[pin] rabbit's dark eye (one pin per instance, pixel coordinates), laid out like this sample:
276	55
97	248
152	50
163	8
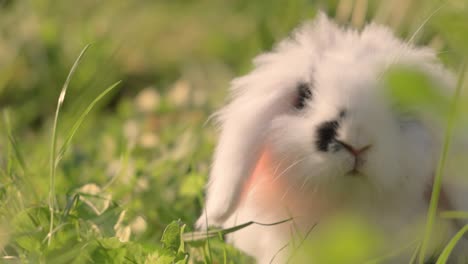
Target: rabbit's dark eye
303	94
326	134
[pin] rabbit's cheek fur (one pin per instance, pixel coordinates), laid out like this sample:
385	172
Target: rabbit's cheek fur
292	141
296	161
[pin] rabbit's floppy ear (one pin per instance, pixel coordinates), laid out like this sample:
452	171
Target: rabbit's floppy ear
244	125
258	98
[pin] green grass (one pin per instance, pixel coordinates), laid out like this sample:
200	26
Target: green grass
115	171
53	159
449	133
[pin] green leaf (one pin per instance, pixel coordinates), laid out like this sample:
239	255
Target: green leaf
110	243
355	240
160	257
453	26
110	250
413	90
30	228
192	186
181	248
171	236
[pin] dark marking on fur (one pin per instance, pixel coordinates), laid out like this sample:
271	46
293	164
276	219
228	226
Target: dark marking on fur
304	93
342	113
326	134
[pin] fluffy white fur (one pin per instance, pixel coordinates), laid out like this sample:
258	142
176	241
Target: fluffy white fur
344	68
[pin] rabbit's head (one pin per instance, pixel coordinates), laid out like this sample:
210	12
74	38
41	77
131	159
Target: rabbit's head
317	102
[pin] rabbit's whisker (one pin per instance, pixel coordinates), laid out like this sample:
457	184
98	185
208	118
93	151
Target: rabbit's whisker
288	168
306	180
279	164
256	183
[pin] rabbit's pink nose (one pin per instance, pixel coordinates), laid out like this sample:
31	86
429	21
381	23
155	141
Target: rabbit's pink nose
358	159
354	151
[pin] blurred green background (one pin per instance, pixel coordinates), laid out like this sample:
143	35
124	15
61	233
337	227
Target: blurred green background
141	157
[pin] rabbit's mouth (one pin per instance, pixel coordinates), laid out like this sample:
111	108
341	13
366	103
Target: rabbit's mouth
357	167
358	155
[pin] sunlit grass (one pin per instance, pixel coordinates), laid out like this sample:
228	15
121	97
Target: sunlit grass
53	157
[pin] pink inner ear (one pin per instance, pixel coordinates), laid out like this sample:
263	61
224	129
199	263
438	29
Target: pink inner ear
270	192
268	188
262	179
275	194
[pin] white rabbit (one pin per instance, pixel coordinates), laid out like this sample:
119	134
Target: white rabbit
310	133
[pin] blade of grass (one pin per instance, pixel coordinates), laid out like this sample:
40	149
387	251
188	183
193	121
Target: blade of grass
8	150
206	233
53	164
70	204
413	36
301	242
80	120
451	245
224	255
395	253
13	143
194	236
437	185
454	214
415	254
278	252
